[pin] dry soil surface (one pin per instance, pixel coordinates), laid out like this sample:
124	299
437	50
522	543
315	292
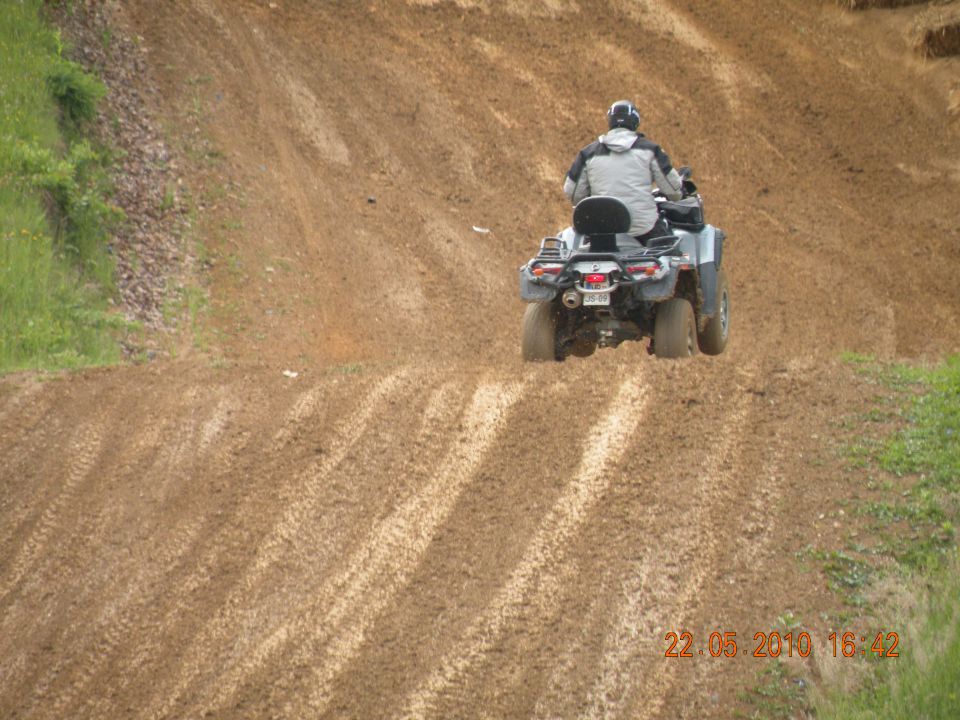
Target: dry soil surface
419	524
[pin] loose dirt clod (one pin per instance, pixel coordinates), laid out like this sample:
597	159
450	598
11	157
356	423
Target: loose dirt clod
940	41
870	4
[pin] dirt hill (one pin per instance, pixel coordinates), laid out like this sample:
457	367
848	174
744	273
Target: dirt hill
419	524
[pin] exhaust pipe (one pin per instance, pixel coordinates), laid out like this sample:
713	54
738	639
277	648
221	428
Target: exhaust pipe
572	299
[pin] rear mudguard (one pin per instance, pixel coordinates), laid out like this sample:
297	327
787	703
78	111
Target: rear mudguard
662	289
705	251
533	291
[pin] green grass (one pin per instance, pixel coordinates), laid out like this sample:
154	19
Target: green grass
924	682
55	273
916	530
931	445
777	695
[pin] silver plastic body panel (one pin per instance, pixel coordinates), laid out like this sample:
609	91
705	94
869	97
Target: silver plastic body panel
697	247
531	291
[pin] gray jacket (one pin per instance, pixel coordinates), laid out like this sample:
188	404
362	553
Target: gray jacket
625	165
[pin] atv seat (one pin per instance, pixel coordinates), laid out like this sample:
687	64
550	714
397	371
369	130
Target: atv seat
601	218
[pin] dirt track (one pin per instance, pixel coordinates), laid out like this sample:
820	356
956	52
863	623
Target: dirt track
420	524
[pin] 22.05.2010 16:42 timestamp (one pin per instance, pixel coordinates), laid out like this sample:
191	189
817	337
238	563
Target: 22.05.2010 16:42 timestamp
774	644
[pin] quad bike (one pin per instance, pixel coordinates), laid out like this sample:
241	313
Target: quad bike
596	286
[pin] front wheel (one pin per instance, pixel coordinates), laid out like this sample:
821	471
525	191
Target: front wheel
539	333
713	339
675	329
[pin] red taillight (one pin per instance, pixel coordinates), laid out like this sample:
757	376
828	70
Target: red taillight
553	270
642	269
596	278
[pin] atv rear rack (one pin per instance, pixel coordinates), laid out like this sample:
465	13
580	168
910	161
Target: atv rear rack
553	248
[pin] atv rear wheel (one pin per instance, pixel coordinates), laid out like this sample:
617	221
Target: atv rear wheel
539	334
675	329
714	337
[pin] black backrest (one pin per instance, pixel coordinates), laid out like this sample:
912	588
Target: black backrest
600	218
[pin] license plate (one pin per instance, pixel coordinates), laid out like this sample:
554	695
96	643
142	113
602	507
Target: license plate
597	299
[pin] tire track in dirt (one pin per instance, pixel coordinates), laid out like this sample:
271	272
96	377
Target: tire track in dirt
608	442
732	75
116	623
615	686
125	604
40	558
622	666
748	554
472	554
260	643
83	453
89	520
288	535
25	463
754	523
614	634
304	407
281	98
295	522
335	626
212	429
278	599
200	562
253	50
535	650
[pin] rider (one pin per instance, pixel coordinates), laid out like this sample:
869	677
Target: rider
624	164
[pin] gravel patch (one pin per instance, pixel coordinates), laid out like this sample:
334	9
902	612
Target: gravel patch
152	258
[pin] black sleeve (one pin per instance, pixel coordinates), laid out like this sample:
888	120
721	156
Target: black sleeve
594	148
663	160
579	163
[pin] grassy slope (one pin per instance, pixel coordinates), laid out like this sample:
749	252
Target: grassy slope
54	272
924	682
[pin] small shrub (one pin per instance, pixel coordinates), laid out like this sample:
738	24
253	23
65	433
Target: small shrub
77	92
